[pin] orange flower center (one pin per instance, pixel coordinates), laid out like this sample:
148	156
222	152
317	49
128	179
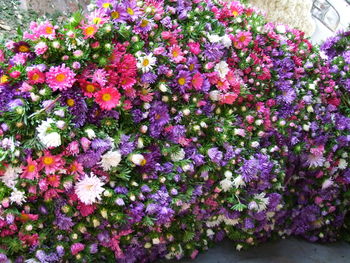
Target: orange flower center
31	168
90	88
144	23
106	97
60	77
35	76
23	48
130	11
143	162
48	160
145	62
70	102
115	14
73	168
49	30
242	38
181	81
89	31
175	53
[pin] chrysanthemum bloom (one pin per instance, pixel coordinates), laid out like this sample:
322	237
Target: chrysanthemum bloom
107	98
40	48
110	159
51	163
35	76
235	9
31	170
89	31
89	189
242	39
60	78
118	13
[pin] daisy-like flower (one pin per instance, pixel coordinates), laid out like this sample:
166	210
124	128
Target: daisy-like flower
17	197
60	78
133	10
31	170
110	159
183	80
21	47
51	163
118	13
10	176
89	189
35	76
48	137
146	62
104	3
235	9
242	39
107	98
89	31
47	30
176	54
146	95
89	88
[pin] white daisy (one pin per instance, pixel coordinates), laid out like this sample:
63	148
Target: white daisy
146	62
17	197
89	189
48	137
110	159
10	176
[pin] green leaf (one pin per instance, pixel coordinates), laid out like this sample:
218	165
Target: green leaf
239	207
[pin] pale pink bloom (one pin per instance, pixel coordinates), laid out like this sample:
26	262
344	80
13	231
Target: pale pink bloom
40	48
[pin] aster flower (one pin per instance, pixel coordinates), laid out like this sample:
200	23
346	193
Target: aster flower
89	88
183	81
89	189
48	137
242	39
76	105
50	163
146	62
89	31
213	51
176	54
17	196
133	10
118	13
35	76
9	178
144	25
60	78
21	47
215	155
107	98
110	159
31	170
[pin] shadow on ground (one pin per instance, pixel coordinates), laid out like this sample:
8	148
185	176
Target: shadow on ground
284	251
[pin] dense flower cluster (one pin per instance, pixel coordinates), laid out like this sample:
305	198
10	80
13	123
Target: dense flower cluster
152	129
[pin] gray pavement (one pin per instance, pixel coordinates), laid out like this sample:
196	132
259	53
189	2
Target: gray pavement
284	251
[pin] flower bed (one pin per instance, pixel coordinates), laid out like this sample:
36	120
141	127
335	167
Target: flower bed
154	129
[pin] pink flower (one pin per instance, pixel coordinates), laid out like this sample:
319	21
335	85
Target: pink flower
235	9
25	87
60	78
89	31
31	170
159	50
195	47
85	143
40	48
73	148
51	163
46	30
107	98
35	76
146	95
2	56
197	81
176	54
229	98
76	248
242	39
86	210
76	168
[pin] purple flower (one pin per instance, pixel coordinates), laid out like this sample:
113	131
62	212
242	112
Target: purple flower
63	222
213	51
215	155
149	78
182	81
76	104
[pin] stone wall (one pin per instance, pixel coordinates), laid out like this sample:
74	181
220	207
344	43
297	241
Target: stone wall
51	6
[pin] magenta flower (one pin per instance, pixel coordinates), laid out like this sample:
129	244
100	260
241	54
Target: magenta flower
60	78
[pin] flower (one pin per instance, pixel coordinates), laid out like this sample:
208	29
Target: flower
51	163
40	48
76	248
89	189
107	98
89	31
35	76
146	62
17	197
138	159
47	136
110	159
222	69
242	39
176	54
31	170
60	78
10	176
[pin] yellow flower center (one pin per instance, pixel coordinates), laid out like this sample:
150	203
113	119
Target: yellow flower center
4	79
48	160
143	162
35	76
145	62
144	92
235	13
70	102
115	15
60	77
90	88
181	81
97	20
130	11
191	67
106	97
106	5
242	38
175	53
144	23
23	49
49	30
31	168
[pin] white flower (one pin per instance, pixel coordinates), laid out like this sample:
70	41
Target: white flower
10	176
17	197
48	138
138	159
222	68
226	184
262	201
240	132
327	183
238	181
214	38
146	62
226	41
215	95
342	164
90	133
31	260
281	29
178	156
110	159
89	189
